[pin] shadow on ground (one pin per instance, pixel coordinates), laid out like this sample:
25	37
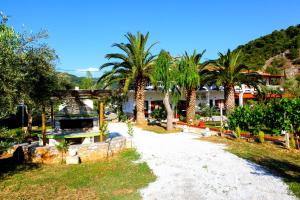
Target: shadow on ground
15	164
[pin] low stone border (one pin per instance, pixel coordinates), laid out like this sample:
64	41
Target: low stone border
86	152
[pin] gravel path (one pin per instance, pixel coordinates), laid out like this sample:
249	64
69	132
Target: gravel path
187	168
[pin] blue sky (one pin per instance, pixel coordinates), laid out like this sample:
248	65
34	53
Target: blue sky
82	31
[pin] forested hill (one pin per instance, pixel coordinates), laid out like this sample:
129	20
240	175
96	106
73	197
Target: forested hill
77	80
256	52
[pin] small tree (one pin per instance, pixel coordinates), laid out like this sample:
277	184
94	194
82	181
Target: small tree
163	74
129	128
62	147
238	132
261	137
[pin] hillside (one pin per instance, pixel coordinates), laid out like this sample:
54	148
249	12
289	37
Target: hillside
77	80
285	42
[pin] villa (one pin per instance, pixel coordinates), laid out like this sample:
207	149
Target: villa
211	96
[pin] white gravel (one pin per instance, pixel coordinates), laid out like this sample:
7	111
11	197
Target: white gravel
187	168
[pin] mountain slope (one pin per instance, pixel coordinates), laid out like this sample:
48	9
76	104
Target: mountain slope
256	52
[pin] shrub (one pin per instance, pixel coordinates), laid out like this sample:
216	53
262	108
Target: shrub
238	132
129	128
62	147
197	117
122	117
261	137
159	114
181	118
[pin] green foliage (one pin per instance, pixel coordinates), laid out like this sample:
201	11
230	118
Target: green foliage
238	132
122	117
62	147
274	70
279	114
189	70
104	128
278	62
27	70
293	54
159	114
261	137
182	118
8	137
296	61
88	82
257	52
197	117
208	111
135	62
129	127
163	73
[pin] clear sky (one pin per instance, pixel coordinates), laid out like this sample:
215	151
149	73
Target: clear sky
82	31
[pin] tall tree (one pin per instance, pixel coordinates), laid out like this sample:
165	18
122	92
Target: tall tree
164	74
189	78
10	76
133	65
40	79
227	72
88	82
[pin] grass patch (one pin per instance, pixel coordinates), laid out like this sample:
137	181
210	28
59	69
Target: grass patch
161	129
280	161
118	178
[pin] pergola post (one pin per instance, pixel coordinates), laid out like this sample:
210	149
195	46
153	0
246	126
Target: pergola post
101	120
43	126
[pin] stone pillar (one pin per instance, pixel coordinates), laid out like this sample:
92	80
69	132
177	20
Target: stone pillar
207	97
149	107
241	100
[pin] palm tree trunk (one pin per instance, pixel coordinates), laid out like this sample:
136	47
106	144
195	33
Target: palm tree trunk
229	98
170	116
191	104
139	99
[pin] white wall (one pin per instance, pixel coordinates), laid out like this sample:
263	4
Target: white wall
153	95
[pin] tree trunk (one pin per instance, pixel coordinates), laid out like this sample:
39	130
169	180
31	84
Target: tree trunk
170	116
139	100
229	98
191	104
29	125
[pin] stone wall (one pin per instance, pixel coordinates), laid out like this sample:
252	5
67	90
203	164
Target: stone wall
86	152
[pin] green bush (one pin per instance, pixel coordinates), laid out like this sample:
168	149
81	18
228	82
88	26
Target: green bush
276	115
261	137
10	136
181	118
122	117
159	114
197	117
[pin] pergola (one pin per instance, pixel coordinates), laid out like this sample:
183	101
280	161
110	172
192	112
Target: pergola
101	95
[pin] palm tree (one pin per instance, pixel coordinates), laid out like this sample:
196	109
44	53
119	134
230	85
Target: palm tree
190	70
164	74
133	65
228	72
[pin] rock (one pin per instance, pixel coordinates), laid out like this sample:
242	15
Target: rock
72	152
72	160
